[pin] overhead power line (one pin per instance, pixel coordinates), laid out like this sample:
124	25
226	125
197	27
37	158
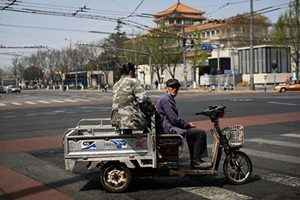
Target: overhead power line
21	5
23	47
136	8
227	4
9	4
81	15
54	29
10	54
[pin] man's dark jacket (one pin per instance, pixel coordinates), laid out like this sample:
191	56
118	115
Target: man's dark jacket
168	113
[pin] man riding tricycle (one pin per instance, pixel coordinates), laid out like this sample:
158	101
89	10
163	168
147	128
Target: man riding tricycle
121	153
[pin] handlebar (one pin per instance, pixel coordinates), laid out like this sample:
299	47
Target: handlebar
213	112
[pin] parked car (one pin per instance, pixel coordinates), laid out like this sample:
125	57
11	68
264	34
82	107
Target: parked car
291	86
12	89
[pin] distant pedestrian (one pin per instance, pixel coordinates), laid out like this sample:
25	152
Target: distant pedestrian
105	87
156	84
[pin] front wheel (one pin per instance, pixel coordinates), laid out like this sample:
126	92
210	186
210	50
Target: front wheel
282	90
115	177
237	167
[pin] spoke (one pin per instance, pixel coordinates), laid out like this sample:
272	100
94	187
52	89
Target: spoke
122	180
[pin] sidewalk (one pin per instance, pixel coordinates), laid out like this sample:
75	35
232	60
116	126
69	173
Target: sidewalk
237	90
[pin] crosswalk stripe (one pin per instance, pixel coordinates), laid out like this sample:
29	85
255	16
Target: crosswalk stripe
215	193
2	104
16	103
30	102
282	179
274	142
41	101
282	103
70	100
291	135
273	156
57	101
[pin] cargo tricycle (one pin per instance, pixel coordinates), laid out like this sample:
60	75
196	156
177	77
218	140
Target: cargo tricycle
120	154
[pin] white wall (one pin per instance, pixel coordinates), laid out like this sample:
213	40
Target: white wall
267	78
179	74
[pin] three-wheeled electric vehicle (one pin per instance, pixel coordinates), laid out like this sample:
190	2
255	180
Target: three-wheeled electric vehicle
120	155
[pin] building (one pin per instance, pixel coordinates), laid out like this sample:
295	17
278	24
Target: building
88	79
268	60
225	42
231	32
179	16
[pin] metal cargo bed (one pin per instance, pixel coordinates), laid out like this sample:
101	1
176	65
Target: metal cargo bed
95	140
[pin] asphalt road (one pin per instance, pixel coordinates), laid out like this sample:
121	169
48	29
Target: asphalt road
272	142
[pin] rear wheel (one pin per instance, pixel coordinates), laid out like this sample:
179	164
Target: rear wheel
237	167
115	177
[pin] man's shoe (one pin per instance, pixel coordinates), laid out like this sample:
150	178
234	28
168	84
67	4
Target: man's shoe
201	165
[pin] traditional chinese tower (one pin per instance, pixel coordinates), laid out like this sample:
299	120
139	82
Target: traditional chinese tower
179	16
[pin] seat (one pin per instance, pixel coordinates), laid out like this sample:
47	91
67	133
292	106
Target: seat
168	149
167	145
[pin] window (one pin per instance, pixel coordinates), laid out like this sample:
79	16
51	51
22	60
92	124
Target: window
178	21
213	33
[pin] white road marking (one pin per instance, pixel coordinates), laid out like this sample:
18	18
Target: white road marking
272	156
41	101
215	193
58	111
16	103
291	135
2	104
57	101
274	142
70	100
282	179
84	100
282	103
242	99
30	102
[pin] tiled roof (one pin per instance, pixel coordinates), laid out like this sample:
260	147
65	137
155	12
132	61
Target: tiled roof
180	8
184	16
208	25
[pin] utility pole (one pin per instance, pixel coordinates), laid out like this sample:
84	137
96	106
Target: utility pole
150	68
252	86
184	56
297	38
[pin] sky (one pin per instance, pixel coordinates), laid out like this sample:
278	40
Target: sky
26	29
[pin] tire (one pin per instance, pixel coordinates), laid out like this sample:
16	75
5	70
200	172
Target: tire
115	177
237	167
282	90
